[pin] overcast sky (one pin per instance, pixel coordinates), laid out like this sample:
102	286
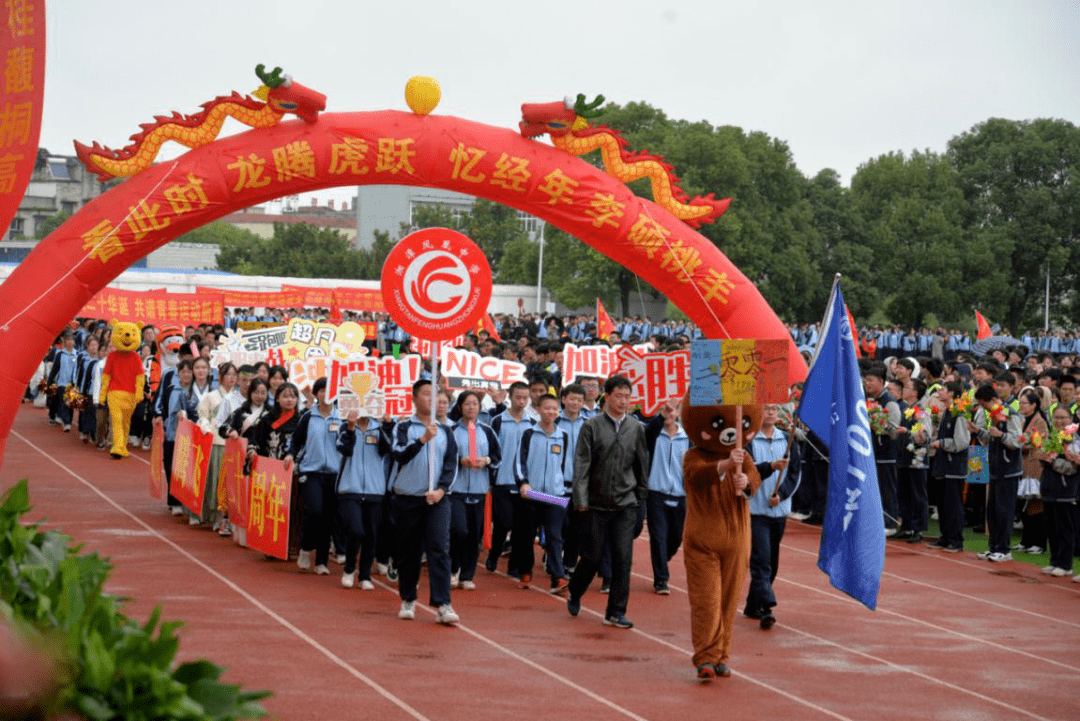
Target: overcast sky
841	81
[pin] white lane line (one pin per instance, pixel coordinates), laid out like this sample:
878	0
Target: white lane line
326	652
688	654
240	591
895	666
968	597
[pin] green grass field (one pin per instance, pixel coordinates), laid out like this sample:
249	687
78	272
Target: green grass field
975	542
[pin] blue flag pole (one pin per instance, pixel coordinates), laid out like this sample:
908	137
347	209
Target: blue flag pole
833	406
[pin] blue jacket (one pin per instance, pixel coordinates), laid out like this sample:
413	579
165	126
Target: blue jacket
365	461
63	368
314	443
476	481
509	433
573	430
182	401
542	461
411	457
764	451
666	462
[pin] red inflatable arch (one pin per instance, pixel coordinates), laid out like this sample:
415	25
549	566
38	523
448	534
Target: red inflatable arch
341	149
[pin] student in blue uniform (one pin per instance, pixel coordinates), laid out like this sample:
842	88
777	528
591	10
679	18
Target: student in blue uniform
478	463
364	445
665	505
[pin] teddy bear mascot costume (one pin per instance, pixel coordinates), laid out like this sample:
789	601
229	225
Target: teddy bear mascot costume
719	478
122	383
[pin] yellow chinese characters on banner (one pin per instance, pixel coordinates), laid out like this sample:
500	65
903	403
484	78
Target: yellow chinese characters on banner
191	458
738	372
22	38
155	308
268	507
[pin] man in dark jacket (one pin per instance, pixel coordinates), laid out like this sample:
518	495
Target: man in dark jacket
610	482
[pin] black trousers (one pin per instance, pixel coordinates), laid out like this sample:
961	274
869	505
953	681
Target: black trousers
597	524
466	533
1000	511
911	499
951	513
504	503
1061	528
318	498
766	533
422	528
666	517
359	520
886	477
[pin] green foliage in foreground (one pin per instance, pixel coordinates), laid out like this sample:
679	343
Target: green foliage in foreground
107	665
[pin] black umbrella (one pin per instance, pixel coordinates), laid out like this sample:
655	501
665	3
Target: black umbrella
994	342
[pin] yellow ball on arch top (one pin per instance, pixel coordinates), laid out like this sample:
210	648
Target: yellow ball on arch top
422	94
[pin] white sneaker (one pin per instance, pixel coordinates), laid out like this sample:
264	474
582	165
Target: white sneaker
1060	573
468	586
797	516
890	532
407	611
67	428
303	560
380	568
133	441
348	580
999	557
176	510
446	615
367	585
146	444
1048	570
1076	578
983	555
1034	550
1018	547
193	521
322	570
454	582
934	515
339	559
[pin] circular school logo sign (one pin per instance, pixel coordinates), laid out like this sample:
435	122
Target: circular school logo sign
436	284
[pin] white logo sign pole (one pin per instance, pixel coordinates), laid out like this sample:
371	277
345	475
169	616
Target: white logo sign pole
436	283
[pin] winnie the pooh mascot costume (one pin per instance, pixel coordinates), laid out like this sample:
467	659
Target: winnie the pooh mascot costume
719	477
122	383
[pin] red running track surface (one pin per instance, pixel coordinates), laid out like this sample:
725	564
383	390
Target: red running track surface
953	637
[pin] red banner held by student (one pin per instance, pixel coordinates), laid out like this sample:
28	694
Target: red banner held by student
268	507
191	458
232	472
157	462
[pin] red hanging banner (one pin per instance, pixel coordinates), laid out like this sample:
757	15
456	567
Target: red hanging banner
191	458
232	470
157	462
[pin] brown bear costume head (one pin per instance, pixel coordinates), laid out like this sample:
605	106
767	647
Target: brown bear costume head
712	428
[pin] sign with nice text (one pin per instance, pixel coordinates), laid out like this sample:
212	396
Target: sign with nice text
465	369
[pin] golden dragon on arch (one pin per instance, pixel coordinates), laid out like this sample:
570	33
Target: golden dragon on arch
277	95
568	125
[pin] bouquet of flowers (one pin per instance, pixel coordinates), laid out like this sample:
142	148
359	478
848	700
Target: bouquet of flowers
1057	440
1032	440
998	414
49	388
72	398
879	418
935	414
918	414
963	406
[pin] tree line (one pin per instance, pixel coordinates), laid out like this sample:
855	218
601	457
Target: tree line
921	238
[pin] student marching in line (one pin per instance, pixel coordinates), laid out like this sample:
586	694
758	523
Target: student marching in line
314	449
665	506
542	466
478	463
422	516
364	445
509	427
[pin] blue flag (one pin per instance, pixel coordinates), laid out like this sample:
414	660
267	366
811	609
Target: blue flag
833	406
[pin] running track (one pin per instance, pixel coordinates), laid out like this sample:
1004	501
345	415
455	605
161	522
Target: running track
953	638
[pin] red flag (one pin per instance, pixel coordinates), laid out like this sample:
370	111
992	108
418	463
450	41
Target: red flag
488	324
604	326
984	327
335	311
854	333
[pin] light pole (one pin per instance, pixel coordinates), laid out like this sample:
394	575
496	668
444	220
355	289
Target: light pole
540	270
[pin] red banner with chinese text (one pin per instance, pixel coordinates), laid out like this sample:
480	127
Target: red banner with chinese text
156	308
157	462
22	36
191	458
360	299
256	299
268	507
313	297
232	472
